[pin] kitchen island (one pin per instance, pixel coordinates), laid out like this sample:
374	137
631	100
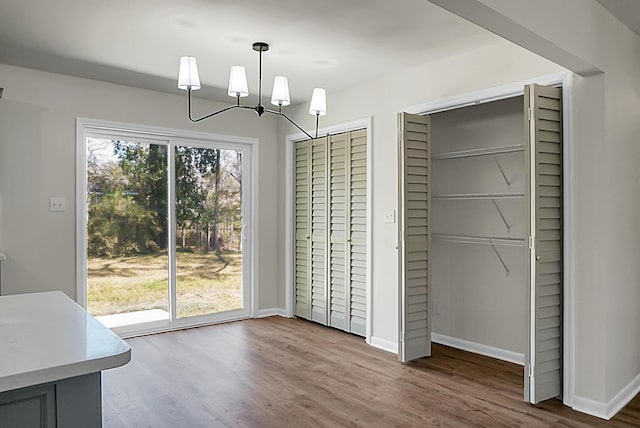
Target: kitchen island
52	353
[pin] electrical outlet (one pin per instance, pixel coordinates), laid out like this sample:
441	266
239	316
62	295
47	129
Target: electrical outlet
57	204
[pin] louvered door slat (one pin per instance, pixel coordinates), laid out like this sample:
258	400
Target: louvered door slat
415	165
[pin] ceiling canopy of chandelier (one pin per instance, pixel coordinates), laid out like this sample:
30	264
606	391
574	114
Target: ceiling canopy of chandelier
189	80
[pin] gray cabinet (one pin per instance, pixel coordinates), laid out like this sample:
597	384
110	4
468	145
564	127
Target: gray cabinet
28	407
67	403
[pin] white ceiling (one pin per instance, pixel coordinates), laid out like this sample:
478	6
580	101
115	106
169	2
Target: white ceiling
627	11
330	43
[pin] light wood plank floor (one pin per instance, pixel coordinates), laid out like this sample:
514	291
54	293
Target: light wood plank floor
279	372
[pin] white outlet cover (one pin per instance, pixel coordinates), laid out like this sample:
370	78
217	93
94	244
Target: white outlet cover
390	216
57	204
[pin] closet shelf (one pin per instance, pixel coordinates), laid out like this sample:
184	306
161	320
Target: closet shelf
465	239
480	152
465	196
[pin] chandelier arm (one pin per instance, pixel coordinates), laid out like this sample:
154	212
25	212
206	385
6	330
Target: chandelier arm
211	114
279	113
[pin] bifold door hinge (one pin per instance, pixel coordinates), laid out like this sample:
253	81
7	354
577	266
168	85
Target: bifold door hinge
530	113
531	242
530	371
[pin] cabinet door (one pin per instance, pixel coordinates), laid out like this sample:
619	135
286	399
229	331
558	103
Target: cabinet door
543	127
415	168
33	407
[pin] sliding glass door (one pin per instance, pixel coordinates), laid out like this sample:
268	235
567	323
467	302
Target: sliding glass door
166	231
209	230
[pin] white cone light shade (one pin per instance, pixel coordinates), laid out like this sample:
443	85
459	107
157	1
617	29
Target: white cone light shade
188	77
318	106
280	94
238	82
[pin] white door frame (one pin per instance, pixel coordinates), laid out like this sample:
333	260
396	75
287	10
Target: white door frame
565	80
172	137
290	141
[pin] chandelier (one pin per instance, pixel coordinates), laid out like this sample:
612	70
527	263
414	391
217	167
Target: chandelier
189	80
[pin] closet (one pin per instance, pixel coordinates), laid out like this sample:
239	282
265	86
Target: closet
481	232
331	230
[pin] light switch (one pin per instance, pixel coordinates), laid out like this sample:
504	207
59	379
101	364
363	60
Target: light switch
57	204
390	216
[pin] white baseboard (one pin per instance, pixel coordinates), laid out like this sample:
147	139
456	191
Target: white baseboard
263	313
385	345
608	410
623	397
478	348
590	407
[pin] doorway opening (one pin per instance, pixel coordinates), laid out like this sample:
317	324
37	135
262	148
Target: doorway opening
496	282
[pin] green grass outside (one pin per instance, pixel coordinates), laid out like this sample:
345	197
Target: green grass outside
206	283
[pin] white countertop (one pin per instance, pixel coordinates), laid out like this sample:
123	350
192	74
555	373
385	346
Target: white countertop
46	337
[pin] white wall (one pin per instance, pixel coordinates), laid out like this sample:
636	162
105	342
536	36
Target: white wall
382	99
473	297
37	161
585	38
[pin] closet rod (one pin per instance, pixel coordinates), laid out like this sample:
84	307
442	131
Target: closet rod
492	242
464	196
480	152
484	240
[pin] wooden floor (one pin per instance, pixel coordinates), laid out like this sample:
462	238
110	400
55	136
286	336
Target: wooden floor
279	372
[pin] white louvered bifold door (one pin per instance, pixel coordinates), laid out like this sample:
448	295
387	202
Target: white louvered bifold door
348	231
414	167
338	220
319	190
331	230
303	229
543	118
357	229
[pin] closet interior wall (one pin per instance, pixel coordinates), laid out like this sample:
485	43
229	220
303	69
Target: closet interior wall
478	248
